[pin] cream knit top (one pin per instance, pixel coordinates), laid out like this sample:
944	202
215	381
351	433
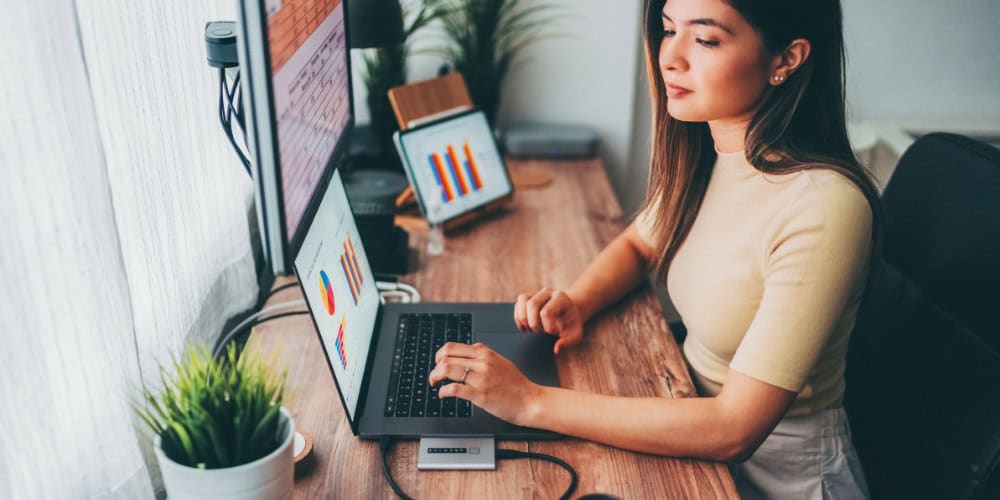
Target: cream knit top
769	279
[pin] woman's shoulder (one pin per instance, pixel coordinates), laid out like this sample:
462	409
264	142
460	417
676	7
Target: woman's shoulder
820	201
824	189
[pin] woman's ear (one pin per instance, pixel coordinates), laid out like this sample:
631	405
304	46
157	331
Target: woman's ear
791	59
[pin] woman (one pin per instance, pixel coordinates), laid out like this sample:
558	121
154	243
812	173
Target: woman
761	223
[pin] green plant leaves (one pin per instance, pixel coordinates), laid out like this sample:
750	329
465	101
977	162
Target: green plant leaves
212	413
486	37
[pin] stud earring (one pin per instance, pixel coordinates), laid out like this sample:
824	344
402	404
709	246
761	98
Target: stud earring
778	78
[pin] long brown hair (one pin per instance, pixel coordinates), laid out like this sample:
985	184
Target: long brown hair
799	125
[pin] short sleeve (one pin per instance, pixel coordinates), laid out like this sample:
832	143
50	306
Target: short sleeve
814	264
644	223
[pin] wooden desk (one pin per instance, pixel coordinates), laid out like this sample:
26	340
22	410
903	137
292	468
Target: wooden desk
546	238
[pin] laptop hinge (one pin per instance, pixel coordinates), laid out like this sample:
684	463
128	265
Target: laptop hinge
367	377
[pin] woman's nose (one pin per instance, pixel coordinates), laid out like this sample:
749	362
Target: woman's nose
672	56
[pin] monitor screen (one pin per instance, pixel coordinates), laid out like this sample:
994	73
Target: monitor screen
311	94
333	268
295	61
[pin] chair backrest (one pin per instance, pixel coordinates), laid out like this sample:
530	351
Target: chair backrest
923	367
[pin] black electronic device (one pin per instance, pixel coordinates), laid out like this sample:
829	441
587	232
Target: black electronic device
220	43
372	195
550	141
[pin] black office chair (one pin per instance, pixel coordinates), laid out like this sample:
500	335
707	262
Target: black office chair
923	368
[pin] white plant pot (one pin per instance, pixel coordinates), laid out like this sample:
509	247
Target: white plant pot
268	478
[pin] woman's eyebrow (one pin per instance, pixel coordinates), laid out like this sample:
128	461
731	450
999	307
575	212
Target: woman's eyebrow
704	21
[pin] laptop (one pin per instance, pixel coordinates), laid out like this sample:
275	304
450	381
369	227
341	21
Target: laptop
380	355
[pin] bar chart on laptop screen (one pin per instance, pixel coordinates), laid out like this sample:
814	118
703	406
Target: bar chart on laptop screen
353	275
456	165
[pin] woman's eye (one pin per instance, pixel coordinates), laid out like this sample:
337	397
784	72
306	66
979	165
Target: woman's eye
708	43
668	32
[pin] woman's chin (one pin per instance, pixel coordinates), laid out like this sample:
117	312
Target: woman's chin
682	112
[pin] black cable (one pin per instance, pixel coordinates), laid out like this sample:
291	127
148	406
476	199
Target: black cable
512	454
236	86
225	114
236	105
225	120
385	444
269	318
236	333
280	288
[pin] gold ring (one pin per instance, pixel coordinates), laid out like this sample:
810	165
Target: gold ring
466	374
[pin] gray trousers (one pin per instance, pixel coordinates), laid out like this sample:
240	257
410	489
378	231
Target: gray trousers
809	457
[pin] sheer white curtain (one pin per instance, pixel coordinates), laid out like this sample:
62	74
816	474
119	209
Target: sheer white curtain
126	230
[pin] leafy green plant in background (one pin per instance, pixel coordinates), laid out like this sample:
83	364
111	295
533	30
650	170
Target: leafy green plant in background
487	36
214	414
385	68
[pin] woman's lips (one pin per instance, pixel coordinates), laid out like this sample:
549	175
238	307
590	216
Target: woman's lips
675	91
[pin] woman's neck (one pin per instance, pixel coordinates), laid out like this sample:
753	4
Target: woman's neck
729	134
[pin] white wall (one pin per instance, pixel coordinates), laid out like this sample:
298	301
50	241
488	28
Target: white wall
924	62
585	76
638	176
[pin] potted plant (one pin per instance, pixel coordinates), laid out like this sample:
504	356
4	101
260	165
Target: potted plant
487	36
219	428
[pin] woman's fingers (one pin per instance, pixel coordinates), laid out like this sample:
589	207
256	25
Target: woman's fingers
520	312
488	380
457	350
463	391
533	309
552	313
453	369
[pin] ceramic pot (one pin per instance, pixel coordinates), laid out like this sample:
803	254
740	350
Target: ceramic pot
268	478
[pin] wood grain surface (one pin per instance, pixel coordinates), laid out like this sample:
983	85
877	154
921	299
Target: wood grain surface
546	237
429	97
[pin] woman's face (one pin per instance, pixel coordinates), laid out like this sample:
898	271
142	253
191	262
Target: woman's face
713	63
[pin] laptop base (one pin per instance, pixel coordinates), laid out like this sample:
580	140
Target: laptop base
493	325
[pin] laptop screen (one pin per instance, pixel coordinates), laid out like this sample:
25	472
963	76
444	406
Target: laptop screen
333	269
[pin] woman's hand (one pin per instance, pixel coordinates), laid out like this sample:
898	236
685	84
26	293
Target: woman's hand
492	382
550	311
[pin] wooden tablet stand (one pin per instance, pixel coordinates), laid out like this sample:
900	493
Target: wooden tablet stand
429	100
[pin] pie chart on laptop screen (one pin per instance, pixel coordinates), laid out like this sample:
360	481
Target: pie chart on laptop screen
326	289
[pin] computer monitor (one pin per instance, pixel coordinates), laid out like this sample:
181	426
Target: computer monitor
296	73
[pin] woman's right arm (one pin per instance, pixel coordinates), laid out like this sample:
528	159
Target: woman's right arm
617	270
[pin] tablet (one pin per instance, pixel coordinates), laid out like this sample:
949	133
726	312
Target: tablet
454	166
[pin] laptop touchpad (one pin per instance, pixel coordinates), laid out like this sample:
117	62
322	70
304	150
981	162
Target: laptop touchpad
531	352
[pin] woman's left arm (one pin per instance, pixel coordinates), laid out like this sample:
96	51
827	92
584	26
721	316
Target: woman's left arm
727	427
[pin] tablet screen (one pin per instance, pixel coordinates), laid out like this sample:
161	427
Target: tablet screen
454	165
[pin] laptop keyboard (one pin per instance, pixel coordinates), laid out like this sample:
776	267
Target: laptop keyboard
418	339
